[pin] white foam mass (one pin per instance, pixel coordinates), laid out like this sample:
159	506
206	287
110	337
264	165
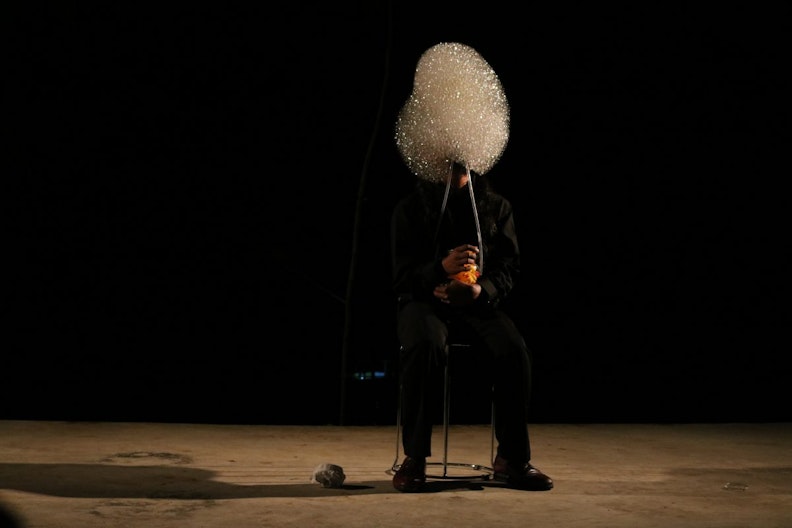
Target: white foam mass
457	112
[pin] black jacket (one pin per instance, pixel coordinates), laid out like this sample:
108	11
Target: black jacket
420	239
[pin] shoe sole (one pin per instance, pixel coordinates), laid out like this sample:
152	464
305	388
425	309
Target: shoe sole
525	486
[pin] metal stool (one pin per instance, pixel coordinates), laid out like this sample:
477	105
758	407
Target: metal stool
479	472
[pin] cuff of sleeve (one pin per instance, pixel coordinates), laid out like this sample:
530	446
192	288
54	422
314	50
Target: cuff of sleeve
488	292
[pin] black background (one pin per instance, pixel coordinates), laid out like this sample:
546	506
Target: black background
200	199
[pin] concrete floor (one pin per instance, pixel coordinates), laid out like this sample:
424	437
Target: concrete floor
153	475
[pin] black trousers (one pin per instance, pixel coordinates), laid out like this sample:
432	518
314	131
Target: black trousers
422	330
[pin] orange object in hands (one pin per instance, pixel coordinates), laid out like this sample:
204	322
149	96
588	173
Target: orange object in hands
469	276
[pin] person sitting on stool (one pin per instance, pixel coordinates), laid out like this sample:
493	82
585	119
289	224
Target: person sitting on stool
428	300
455	258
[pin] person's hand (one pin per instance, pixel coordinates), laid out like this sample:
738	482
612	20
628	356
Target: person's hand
457	293
460	259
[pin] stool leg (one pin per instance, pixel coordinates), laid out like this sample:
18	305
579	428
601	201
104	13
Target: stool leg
396	463
492	429
446	411
486	471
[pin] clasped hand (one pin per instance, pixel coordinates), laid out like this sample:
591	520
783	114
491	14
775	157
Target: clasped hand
455	292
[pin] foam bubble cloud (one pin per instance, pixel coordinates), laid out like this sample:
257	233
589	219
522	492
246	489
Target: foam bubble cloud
457	112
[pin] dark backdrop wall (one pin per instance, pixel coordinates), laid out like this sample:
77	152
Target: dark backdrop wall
201	199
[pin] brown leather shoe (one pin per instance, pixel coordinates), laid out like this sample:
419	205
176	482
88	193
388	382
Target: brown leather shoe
521	476
411	475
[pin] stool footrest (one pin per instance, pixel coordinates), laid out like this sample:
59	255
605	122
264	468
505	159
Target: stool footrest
478	471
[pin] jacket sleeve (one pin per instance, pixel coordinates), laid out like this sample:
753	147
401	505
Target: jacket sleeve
417	269
501	258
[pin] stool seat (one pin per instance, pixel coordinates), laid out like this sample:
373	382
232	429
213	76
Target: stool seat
475	471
